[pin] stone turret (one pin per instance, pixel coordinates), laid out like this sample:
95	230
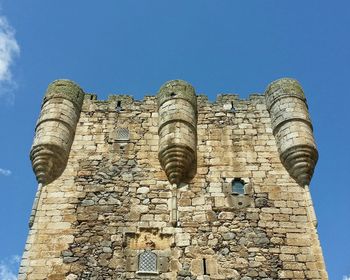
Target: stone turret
55	130
292	128
177	107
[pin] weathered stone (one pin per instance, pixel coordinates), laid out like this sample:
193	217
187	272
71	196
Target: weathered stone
67	253
70	259
229	235
182	239
143	190
71	277
261	202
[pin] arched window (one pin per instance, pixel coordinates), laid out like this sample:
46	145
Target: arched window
147	262
238	186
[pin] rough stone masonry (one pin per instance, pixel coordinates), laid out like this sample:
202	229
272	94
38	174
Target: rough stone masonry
173	186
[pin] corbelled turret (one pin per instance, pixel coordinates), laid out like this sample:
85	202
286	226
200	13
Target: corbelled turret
292	128
177	107
55	130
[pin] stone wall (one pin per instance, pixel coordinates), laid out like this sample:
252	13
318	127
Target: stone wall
114	201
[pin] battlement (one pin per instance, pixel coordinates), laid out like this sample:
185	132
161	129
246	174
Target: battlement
285	100
201	98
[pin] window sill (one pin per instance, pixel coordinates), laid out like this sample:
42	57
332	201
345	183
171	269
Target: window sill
147	272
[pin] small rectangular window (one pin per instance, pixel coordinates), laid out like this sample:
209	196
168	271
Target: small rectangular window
122	134
238	186
147	262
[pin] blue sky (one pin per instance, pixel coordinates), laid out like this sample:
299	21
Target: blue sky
134	46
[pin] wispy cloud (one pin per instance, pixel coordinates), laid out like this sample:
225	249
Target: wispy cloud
5	172
9	49
8	268
346	277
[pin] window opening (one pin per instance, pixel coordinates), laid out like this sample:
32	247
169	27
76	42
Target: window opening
205	267
123	134
148	262
238	186
233	109
118	108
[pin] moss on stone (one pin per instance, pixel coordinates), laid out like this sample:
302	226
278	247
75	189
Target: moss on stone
65	89
177	89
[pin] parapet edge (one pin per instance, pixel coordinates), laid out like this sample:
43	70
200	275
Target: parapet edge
220	97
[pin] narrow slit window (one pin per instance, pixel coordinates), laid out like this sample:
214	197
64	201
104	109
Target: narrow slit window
147	262
118	108
205	267
233	109
238	186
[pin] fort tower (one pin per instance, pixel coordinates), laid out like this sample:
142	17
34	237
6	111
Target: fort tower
173	186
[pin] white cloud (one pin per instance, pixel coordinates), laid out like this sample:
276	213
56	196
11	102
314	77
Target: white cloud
8	268
6	273
15	259
5	172
346	277
9	49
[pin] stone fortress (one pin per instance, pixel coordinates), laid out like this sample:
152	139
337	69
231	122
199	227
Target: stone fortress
173	186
